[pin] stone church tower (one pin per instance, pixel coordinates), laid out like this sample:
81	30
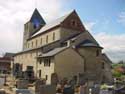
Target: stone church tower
32	26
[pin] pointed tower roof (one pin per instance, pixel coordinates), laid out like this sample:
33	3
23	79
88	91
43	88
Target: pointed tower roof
37	18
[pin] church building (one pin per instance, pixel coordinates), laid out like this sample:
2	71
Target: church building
63	47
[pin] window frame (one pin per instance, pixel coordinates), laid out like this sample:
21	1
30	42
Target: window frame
53	36
47	62
47	39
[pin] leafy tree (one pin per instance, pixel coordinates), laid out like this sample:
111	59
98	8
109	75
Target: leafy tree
117	74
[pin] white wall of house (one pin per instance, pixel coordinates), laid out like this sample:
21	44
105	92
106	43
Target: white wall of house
46	70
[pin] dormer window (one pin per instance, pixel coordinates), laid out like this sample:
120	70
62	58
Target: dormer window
63	44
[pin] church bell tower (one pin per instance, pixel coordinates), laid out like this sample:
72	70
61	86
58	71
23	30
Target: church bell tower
32	26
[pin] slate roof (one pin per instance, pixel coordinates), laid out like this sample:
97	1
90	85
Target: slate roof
36	16
9	55
87	42
53	52
85	39
52	24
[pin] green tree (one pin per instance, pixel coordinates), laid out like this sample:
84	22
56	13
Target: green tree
117	74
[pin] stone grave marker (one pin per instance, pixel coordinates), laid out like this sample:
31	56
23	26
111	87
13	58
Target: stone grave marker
54	79
22	84
81	79
47	89
38	83
2	91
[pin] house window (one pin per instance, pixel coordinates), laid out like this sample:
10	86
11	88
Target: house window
63	44
53	36
47	62
103	65
73	22
72	41
32	44
47	39
39	73
97	53
46	77
36	43
40	61
41	41
29	68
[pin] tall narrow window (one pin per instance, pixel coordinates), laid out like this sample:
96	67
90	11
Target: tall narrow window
40	61
39	73
36	43
97	53
54	36
46	77
47	39
28	45
41	41
103	65
47	62
64	44
32	44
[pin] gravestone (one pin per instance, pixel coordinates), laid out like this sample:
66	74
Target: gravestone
54	79
73	81
47	89
22	91
81	79
2	81
82	89
96	89
22	84
68	90
2	91
38	83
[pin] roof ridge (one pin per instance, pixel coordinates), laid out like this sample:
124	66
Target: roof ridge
64	16
52	24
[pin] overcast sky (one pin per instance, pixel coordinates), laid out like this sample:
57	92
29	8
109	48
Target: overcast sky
105	19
